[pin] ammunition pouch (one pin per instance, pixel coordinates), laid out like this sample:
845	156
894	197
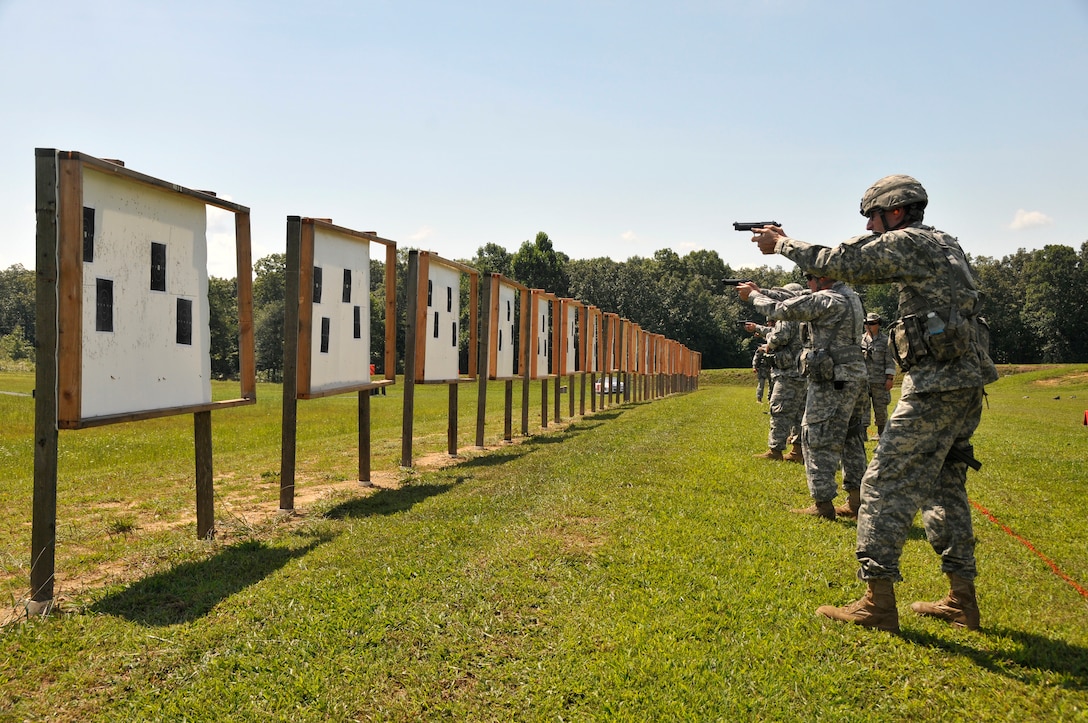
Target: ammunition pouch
911	341
817	365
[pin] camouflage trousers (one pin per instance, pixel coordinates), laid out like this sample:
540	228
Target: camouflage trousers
880	399
763	379
911	471
787	407
832	435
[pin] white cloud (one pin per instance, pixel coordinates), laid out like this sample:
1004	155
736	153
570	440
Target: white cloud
424	233
1029	219
628	236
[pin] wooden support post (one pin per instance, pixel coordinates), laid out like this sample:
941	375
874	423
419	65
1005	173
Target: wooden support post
483	360
451	427
205	494
557	412
364	437
570	393
44	518
289	426
508	416
410	342
544	403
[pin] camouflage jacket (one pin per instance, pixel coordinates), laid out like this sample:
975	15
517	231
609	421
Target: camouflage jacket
834	319
932	274
880	363
784	342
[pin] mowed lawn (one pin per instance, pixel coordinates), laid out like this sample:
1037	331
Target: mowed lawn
636	564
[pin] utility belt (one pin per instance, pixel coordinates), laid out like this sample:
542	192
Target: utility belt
819	364
912	339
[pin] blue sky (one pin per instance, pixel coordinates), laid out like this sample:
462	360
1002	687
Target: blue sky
619	128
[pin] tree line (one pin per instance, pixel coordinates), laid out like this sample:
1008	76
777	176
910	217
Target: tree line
1036	302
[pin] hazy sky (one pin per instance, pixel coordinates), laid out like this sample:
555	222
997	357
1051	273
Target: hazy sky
619	128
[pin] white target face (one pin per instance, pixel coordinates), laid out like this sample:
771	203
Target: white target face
145	327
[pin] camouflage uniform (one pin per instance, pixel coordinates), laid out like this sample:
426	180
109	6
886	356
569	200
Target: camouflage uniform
831	431
761	365
788	394
920	462
880	365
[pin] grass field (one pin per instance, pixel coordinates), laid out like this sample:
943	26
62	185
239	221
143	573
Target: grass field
636	564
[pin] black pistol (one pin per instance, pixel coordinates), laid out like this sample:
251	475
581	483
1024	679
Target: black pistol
735	282
748	226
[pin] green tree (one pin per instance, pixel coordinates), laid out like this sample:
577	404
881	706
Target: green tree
493	259
223	326
1053	283
1001	302
539	266
17	301
269	298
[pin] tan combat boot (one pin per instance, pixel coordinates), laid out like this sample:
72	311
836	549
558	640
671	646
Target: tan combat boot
959	607
853	504
823	510
795	455
775	454
876	609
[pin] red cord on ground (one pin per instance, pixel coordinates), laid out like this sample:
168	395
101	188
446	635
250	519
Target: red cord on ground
1027	544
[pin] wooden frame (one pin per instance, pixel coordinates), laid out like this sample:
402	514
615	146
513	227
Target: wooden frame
498	283
71	169
426	259
308	228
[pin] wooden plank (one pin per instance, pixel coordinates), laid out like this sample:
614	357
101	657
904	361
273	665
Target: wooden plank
247	359
391	312
304	297
69	243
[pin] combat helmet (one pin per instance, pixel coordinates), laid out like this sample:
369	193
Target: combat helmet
893	192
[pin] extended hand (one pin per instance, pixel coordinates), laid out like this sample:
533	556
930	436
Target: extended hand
767	238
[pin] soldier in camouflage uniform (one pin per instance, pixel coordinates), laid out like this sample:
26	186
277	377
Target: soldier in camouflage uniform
761	365
787	402
881	367
831	431
943	348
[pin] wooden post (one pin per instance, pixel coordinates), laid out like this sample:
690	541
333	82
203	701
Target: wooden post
205	495
483	365
526	356
364	437
44	519
508	415
289	427
410	342
544	403
451	426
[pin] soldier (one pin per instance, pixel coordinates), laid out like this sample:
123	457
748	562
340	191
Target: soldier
881	368
831	431
943	349
761	368
787	400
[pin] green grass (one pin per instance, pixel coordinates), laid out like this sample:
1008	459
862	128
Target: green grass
636	565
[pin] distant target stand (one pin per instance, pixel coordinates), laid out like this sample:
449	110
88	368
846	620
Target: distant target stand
123	320
327	334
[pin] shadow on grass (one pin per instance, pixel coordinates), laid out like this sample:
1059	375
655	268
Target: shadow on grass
189	591
388	501
1031	659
